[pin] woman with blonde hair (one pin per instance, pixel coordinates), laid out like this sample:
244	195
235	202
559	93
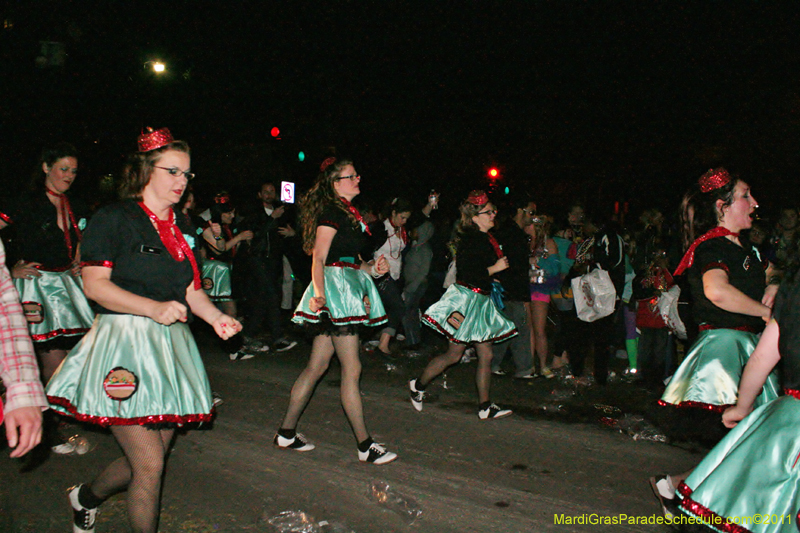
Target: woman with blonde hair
466	313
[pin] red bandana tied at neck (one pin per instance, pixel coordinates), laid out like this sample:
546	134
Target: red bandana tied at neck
172	238
67	218
401	232
688	257
350	207
495	245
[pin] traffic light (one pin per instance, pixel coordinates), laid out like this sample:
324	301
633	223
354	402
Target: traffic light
275	132
301	156
493	173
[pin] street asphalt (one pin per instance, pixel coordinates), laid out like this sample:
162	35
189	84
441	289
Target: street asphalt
568	455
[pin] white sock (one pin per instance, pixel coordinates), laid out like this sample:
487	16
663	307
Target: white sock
666	488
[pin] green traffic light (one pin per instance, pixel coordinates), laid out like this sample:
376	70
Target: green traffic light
507	190
301	156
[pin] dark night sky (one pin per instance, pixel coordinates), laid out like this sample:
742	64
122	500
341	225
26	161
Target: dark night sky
619	100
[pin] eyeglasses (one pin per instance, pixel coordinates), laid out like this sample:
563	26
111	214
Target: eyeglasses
354	177
489	212
175	171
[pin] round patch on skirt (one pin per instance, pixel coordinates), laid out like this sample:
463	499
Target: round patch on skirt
208	284
120	384
34	312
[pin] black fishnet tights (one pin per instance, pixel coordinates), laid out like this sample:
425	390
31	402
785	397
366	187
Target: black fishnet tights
140	471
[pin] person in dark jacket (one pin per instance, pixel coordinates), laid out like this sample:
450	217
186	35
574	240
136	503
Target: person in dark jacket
516	284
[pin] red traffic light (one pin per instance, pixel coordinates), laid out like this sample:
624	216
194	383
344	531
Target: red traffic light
275	132
493	172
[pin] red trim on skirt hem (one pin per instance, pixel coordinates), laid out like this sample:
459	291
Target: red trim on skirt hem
59	333
435	325
706	515
137	421
361	319
697	405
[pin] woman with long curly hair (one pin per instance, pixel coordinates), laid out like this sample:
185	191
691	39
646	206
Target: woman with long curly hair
340	298
466	313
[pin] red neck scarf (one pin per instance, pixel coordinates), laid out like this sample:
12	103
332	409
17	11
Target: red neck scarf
350	207
401	232
172	238
495	245
66	218
688	257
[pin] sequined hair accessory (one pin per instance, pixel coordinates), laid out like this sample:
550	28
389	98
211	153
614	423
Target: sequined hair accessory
478	198
325	164
714	179
222	198
151	139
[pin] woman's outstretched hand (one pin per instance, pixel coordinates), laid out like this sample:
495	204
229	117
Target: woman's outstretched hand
226	326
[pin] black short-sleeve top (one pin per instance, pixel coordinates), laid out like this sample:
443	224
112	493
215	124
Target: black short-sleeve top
349	238
39	239
745	271
121	237
474	255
787	313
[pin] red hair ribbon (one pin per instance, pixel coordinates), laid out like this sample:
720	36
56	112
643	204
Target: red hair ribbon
67	218
478	198
172	238
150	140
350	207
325	164
688	257
714	179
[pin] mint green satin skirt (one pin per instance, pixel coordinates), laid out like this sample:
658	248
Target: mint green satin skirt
753	471
708	377
131	370
351	297
464	316
54	305
216	277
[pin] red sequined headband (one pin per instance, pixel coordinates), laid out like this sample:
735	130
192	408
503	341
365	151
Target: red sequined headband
150	140
325	164
478	198
714	179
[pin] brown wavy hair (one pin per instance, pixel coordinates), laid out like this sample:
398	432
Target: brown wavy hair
320	195
139	168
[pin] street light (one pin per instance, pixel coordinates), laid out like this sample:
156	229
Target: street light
157	66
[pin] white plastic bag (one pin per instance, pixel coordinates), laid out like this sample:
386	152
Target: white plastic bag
668	307
594	295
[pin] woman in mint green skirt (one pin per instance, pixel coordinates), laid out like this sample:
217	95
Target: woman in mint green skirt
732	302
466	313
340	298
138	369
751	480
